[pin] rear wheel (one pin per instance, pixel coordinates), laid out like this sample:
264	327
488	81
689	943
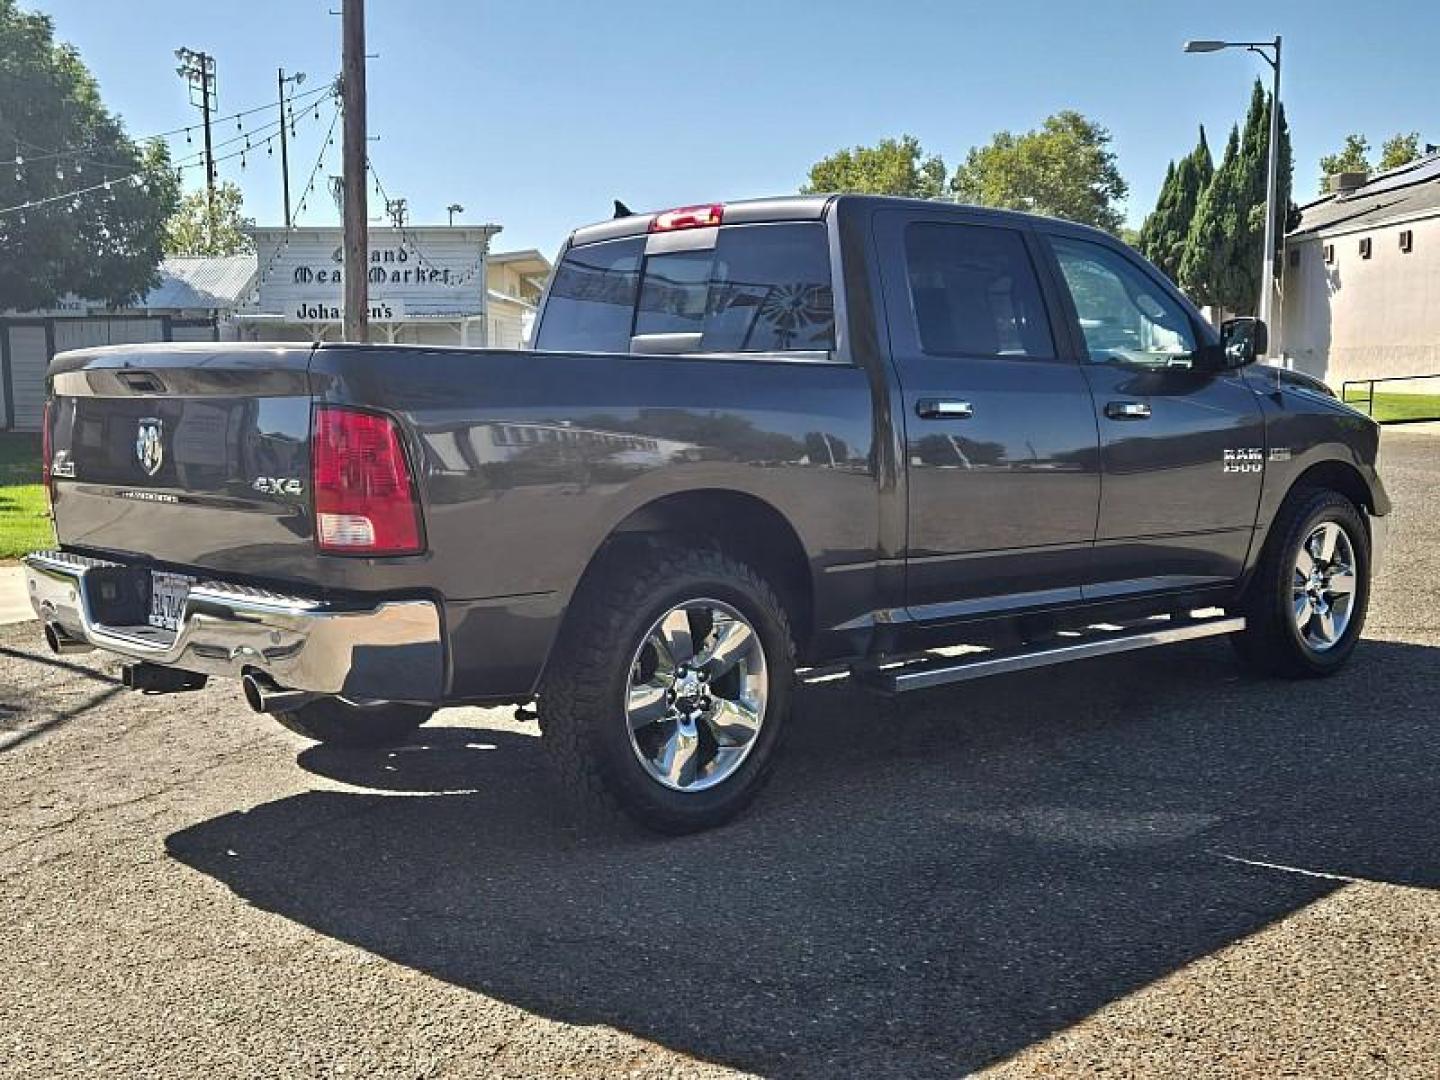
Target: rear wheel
1306	604
338	723
669	688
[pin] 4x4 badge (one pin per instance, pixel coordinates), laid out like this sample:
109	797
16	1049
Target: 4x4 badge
148	447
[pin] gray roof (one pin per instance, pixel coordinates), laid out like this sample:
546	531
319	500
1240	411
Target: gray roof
1394	195
202	281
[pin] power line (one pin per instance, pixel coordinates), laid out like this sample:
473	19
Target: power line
43	154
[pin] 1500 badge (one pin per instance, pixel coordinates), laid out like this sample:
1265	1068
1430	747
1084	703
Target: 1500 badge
276	485
1250	459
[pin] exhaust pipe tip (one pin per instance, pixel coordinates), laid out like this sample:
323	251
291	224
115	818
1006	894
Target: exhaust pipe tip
254	693
264	695
62	644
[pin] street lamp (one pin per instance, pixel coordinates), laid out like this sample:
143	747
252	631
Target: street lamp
1272	177
453	209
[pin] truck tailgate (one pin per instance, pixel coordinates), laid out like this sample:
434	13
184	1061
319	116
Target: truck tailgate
189	455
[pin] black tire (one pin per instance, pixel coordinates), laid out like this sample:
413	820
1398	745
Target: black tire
1272	642
583	720
338	723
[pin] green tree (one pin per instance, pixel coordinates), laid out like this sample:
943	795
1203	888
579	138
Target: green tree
1354	156
1399	149
103	244
191	230
1065	168
1223	256
890	167
1165	233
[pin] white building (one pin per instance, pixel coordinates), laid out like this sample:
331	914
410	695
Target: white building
1361	279
427	285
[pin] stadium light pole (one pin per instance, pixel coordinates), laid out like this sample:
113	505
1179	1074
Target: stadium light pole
1263	50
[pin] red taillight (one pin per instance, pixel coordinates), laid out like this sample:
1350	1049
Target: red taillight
688	217
364	496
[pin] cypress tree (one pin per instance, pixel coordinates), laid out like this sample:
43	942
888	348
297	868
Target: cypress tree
1166	232
1222	260
1208	248
1153	228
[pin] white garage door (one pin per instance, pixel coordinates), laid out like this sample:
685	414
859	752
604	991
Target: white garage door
87	333
28	360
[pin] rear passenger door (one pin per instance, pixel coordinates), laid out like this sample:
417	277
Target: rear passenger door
999	433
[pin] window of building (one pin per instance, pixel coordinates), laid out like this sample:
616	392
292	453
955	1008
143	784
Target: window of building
1365	247
1407	240
1125	316
974	292
1329	254
1294	257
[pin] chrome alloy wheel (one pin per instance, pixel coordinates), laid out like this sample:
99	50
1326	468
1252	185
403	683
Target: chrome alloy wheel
1324	585
695	699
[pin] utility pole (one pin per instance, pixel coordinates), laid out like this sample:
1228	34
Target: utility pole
281	80
396	208
357	257
198	70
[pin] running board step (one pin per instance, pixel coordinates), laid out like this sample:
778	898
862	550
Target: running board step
938	670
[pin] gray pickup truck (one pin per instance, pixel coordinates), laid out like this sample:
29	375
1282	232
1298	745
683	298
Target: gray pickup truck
754	442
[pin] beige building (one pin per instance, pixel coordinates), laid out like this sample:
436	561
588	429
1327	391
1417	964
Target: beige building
514	281
1361	279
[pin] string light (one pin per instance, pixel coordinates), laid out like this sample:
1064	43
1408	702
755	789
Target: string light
317	95
137	177
462	279
284	245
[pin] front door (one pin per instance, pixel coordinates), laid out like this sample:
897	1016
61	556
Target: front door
1182	449
999	433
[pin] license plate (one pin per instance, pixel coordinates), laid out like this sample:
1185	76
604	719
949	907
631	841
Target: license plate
167	599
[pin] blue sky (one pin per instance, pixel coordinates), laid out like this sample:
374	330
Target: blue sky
536	113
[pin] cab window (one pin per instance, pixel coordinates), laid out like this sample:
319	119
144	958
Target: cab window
1125	317
592	299
761	288
974	292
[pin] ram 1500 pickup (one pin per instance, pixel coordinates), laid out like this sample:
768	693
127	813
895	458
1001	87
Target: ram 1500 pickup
752	440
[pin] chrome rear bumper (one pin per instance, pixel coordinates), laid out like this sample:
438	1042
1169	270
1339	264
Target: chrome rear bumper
389	650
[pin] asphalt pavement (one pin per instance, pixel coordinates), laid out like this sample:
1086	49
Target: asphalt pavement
1146	865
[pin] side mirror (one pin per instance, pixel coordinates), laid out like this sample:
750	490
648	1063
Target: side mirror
1243	341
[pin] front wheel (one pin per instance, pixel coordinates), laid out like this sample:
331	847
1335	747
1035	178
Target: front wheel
1306	604
669	687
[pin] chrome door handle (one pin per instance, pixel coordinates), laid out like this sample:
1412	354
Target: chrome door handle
1128	410
943	409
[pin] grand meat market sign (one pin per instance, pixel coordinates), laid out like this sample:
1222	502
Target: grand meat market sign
418	271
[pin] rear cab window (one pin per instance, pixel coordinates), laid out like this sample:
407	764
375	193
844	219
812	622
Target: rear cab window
761	288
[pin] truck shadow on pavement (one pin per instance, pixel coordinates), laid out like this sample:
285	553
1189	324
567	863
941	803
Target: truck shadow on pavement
926	888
